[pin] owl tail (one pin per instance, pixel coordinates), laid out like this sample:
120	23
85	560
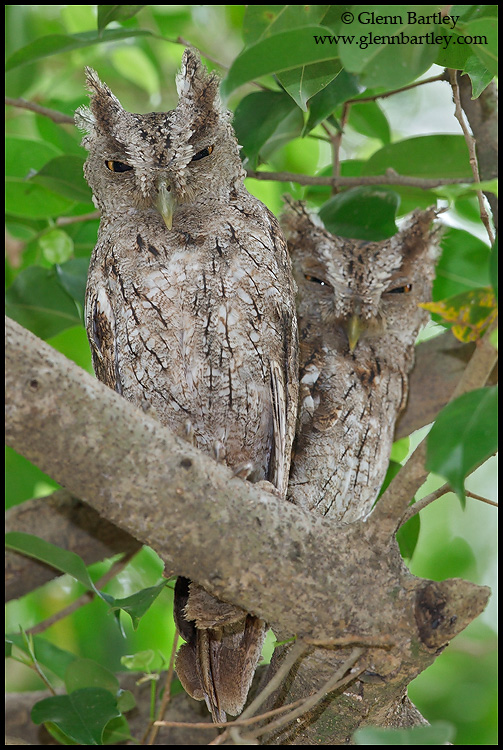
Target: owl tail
224	643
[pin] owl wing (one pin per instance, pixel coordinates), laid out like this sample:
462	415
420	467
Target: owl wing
223	646
103	336
284	376
278	470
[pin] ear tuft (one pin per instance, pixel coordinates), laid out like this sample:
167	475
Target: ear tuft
194	83
105	111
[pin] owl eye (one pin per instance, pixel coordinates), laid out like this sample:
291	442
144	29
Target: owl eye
118	166
315	280
405	289
203	153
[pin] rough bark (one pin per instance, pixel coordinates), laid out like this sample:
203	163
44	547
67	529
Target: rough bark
343	586
65	520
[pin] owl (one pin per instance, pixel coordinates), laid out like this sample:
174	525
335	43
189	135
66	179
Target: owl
358	320
190	313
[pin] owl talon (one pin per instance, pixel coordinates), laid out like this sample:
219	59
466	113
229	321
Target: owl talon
218	450
189	432
243	470
268	487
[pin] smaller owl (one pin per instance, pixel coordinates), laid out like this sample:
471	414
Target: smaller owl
358	315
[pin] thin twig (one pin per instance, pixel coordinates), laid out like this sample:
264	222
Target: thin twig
167	692
53	114
390	178
85	598
413	510
337	142
440	77
445	489
337	681
470	142
482	499
239	722
63	221
294	653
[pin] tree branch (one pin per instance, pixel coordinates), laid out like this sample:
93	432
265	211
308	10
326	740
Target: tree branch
390	178
470	143
52	114
68	522
482	114
332	584
386	516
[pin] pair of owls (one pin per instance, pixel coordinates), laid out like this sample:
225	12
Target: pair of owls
191	309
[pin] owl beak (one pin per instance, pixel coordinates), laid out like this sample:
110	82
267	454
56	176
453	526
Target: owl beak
353	330
166	203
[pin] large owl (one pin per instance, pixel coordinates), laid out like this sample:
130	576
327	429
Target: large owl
190	312
358	321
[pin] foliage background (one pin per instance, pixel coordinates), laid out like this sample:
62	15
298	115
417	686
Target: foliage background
461	686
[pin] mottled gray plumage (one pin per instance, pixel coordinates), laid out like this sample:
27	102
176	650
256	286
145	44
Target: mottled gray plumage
358	320
190	311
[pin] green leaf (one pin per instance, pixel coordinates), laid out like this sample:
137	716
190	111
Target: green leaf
117	731
454	192
261	21
264	121
303	83
56	245
463	265
134	64
438	733
82	716
343	87
137	604
87	673
64	175
453	53
125	700
72	276
37	301
24	156
139	662
407	536
400	449
68	142
485	29
54	44
46	653
480	76
432	156
364	213
24	198
380	62
464	435
368	119
61	559
109	13
284	51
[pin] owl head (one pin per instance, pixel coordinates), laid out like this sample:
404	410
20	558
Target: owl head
364	292
160	160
